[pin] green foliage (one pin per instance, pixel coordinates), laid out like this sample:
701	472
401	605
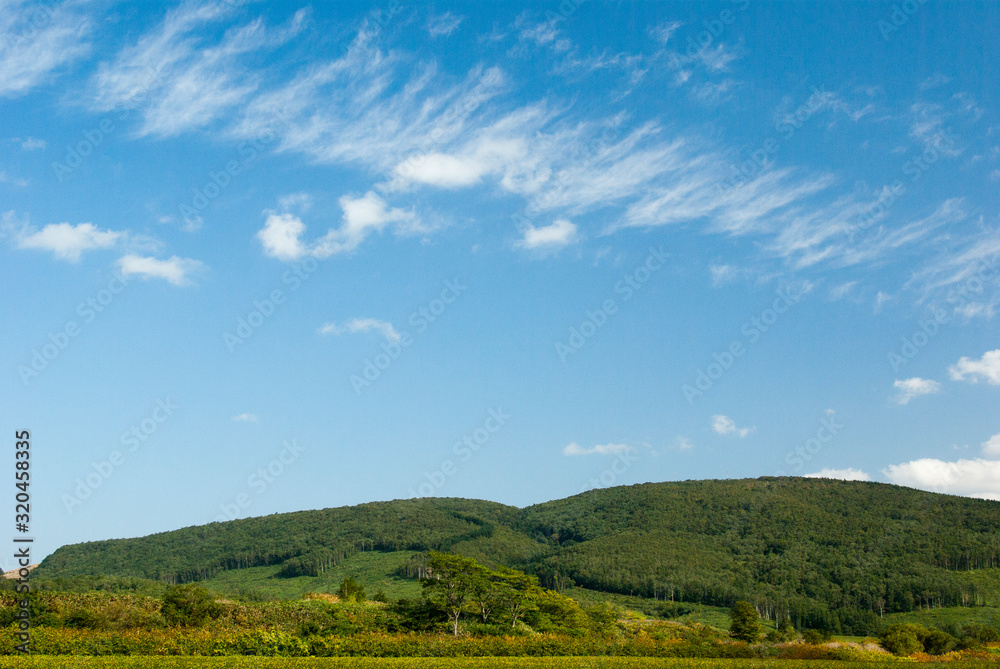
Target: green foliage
907	639
973	635
351	591
452	582
832	555
901	639
189	605
744	622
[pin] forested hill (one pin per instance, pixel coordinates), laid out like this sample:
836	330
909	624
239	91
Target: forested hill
818	548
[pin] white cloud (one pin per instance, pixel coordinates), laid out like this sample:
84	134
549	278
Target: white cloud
31	144
973	478
719	58
915	387
602	449
662	33
726	425
442	170
714	93
178	79
245	418
842	291
991	447
67	241
362	216
36	39
362	325
174	269
683	444
848	474
987	367
880	300
280	236
443	24
17	182
560	233
723	274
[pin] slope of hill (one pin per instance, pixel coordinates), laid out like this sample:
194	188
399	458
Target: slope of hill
827	553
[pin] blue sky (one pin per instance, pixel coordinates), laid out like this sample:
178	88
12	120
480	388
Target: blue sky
263	257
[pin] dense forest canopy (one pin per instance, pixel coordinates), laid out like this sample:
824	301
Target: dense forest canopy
831	554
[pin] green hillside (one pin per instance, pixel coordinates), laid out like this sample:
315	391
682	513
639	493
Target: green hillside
829	554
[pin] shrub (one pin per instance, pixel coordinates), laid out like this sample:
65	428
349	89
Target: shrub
901	640
744	622
351	590
188	605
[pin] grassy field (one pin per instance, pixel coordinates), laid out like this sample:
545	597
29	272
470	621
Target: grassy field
948	615
373	569
440	663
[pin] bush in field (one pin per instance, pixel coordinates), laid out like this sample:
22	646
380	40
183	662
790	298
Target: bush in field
744	622
351	590
558	614
188	605
908	638
901	639
936	642
817	636
974	635
603	617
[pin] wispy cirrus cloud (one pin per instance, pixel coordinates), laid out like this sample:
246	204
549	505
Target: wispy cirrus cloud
36	40
180	80
443	24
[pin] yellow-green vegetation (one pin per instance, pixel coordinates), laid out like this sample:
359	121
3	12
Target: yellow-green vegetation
834	555
466	610
41	662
